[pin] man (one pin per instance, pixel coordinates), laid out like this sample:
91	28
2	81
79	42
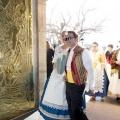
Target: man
78	66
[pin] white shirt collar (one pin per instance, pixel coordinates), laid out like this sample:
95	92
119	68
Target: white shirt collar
74	47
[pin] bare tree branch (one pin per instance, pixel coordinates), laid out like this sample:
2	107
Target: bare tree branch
54	28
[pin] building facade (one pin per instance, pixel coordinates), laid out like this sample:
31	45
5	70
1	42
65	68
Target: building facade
22	56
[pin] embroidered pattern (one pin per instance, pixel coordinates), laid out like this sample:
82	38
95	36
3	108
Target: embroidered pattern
98	78
64	117
98	59
60	107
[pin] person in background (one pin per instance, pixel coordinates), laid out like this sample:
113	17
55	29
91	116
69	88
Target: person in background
53	103
50	55
114	87
84	103
108	55
101	81
77	67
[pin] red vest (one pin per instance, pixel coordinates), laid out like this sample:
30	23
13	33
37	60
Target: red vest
78	70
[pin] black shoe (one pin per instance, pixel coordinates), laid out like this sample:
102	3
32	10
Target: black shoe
117	98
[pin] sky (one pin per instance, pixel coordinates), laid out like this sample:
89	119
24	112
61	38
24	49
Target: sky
104	9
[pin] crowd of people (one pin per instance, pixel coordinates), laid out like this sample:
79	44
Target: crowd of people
72	73
113	71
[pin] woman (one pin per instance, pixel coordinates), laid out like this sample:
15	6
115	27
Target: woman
114	86
100	76
108	55
50	55
53	104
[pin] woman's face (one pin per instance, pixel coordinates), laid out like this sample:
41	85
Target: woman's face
95	47
110	49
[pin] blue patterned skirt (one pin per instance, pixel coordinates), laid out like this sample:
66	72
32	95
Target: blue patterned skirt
105	88
52	113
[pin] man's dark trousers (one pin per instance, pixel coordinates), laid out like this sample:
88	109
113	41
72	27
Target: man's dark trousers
74	96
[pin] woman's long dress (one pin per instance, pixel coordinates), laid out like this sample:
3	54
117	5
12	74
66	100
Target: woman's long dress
108	61
114	86
53	104
101	81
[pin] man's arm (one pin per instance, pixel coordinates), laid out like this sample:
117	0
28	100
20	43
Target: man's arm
87	62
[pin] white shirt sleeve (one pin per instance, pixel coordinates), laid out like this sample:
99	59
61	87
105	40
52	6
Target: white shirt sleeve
87	62
118	57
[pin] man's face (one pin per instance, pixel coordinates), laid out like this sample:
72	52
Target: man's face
71	40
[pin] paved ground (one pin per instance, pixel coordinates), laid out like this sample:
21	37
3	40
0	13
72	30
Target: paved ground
109	109
35	116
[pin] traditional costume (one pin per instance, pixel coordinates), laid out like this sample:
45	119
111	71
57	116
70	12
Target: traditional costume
101	81
114	86
78	66
108	61
53	104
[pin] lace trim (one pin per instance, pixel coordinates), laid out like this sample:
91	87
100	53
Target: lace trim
53	115
98	80
60	107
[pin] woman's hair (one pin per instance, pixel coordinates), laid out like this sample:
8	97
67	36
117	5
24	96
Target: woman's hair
47	45
63	33
110	45
95	43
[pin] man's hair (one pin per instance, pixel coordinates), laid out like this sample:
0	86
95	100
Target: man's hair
95	43
110	45
74	34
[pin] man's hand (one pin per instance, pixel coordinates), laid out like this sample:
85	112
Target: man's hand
65	78
91	92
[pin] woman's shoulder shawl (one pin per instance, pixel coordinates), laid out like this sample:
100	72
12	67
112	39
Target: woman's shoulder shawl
114	58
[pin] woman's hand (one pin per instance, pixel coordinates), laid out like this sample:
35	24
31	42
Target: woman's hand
54	66
103	66
65	78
